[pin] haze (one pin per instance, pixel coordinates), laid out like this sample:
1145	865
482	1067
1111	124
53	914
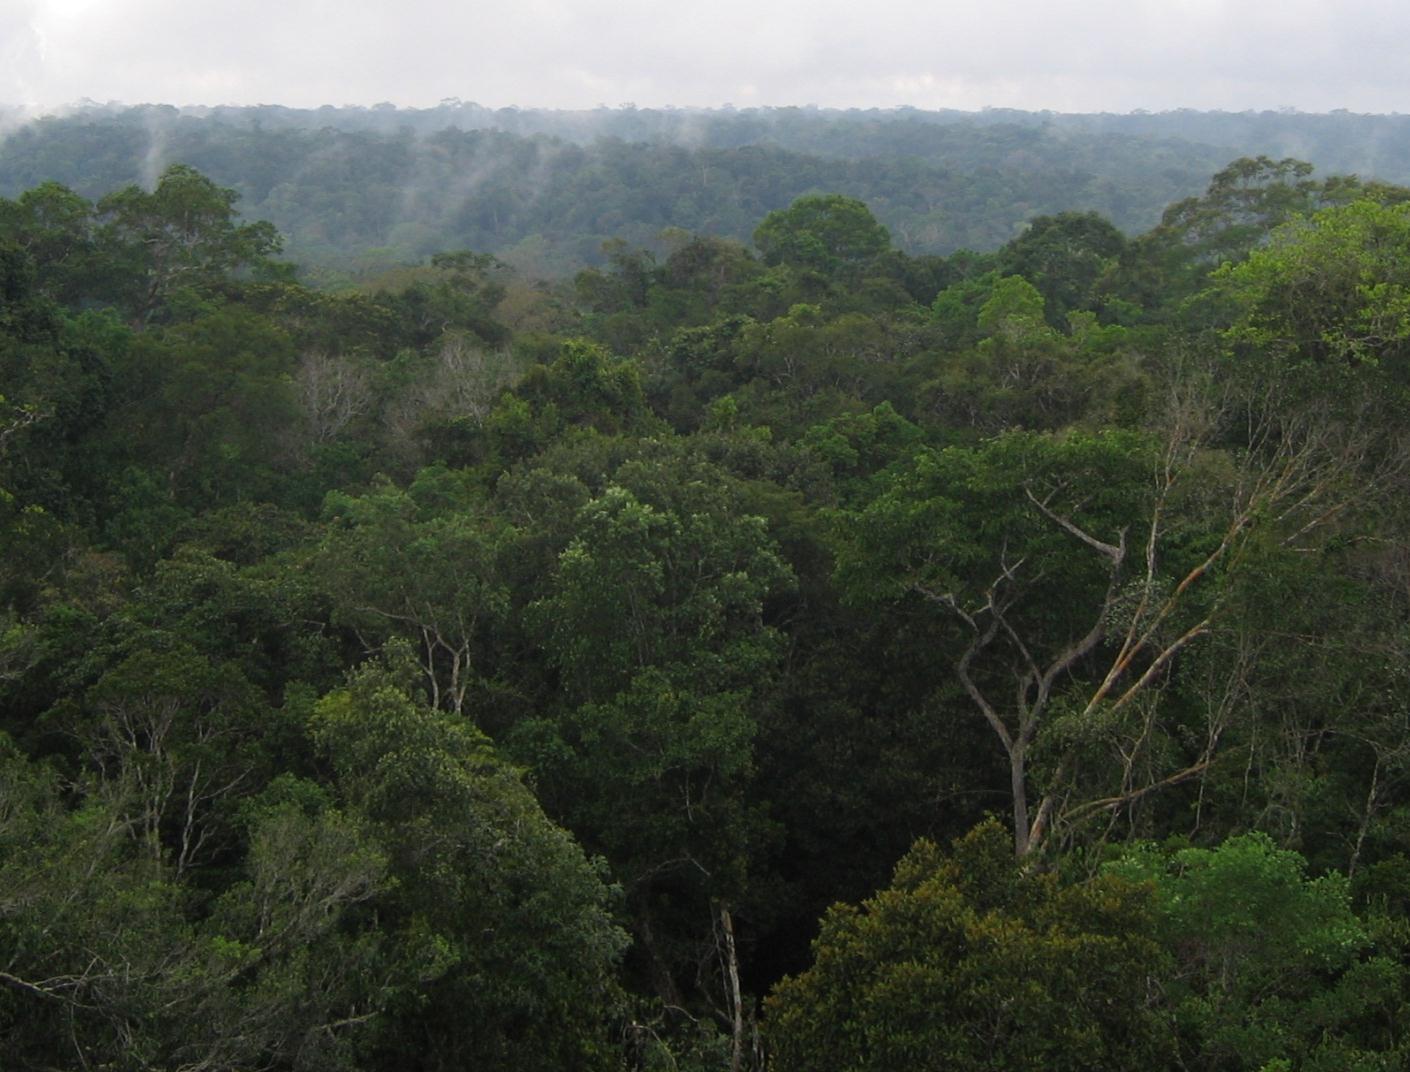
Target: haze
1054	54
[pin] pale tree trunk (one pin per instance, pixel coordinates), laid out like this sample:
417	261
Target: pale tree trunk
734	996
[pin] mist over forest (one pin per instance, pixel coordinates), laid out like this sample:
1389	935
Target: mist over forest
355	186
770	590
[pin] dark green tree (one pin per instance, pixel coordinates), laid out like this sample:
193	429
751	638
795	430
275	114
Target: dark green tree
1064	256
519	918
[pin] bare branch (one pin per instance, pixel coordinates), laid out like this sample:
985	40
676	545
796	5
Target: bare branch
1113	551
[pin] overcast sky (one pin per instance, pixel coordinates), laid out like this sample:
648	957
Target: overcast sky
1094	55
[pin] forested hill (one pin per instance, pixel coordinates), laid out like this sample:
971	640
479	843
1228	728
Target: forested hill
544	189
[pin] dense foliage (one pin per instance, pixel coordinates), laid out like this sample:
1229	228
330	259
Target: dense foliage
462	669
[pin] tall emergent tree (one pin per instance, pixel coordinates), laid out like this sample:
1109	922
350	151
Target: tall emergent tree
182	238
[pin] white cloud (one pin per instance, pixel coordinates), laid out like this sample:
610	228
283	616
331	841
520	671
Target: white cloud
1061	54
21	54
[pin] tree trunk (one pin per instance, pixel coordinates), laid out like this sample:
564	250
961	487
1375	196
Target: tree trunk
1018	786
736	1002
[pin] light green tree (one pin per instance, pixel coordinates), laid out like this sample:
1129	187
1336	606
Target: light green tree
823	232
968	961
1269	964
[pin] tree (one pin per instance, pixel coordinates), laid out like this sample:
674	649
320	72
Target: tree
654	622
182	236
1330	293
822	232
1080	566
207	407
1064	256
56	230
1244	203
421	564
103	963
519	919
971	962
1268	964
1023	372
584	386
173	739
991	535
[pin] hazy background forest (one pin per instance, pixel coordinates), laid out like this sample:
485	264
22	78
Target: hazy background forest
648	589
355	187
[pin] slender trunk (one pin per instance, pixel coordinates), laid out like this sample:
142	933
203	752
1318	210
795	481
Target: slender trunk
736	1052
1365	820
1018	786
